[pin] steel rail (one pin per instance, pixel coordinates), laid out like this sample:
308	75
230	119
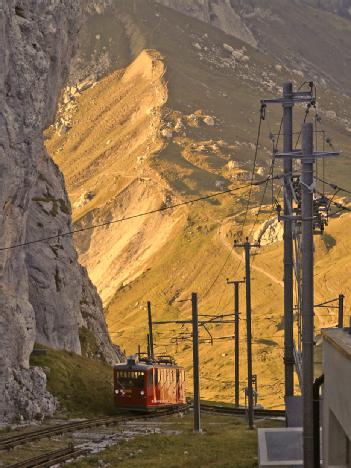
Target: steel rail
51	458
258	412
12	441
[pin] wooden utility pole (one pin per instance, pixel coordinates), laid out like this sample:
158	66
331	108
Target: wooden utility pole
247	247
236	284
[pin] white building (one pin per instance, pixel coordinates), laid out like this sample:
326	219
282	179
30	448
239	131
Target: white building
336	398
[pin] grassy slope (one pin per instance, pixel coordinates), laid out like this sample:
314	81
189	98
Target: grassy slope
191	259
225	442
83	386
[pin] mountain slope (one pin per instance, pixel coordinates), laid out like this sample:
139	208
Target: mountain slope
120	158
302	34
106	161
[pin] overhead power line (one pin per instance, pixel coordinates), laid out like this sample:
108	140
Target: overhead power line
335	203
333	186
138	215
262	117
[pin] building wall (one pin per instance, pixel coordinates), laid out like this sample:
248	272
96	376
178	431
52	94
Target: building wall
336	407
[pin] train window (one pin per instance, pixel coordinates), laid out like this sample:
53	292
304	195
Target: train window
151	380
130	379
156	376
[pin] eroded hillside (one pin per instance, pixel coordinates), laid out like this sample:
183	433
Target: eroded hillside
176	120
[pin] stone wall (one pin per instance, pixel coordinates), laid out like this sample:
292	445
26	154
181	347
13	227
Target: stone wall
45	295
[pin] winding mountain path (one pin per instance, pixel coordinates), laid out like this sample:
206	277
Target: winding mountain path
226	243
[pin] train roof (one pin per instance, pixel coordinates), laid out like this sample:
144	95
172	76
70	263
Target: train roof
133	363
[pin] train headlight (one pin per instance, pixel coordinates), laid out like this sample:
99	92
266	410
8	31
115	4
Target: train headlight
142	392
116	392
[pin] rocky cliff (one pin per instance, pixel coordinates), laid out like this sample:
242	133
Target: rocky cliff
45	295
282	28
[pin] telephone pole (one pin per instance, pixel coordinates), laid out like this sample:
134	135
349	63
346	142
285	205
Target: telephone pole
148	346
307	218
151	337
341	311
287	101
196	373
236	339
288	244
307	291
195	339
247	248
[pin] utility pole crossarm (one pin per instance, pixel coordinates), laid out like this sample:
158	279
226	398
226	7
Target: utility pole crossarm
201	322
290	98
298	154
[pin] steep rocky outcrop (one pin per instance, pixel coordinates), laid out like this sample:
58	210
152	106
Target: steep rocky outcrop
110	176
220	14
282	28
45	295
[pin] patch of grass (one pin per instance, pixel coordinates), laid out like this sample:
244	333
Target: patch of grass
329	241
57	280
5	430
57	205
267	342
90	348
224	442
83	386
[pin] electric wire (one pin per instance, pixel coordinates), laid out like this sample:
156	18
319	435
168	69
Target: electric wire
127	218
271	172
253	172
333	186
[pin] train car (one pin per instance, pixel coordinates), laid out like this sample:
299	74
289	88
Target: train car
148	384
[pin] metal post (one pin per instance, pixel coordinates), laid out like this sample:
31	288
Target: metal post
151	337
236	340
236	345
316	420
288	245
247	247
196	374
139	351
148	346
307	293
341	311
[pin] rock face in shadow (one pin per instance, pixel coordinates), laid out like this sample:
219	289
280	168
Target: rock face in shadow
45	295
275	27
225	15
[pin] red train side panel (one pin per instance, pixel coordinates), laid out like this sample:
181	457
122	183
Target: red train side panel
148	385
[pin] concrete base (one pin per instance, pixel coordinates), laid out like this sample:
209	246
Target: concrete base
293	406
280	447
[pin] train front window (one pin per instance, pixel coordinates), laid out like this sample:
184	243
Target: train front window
130	379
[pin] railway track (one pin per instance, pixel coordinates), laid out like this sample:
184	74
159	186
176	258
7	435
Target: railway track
55	457
259	412
51	458
12	441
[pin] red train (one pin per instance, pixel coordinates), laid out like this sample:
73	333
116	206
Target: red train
146	384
